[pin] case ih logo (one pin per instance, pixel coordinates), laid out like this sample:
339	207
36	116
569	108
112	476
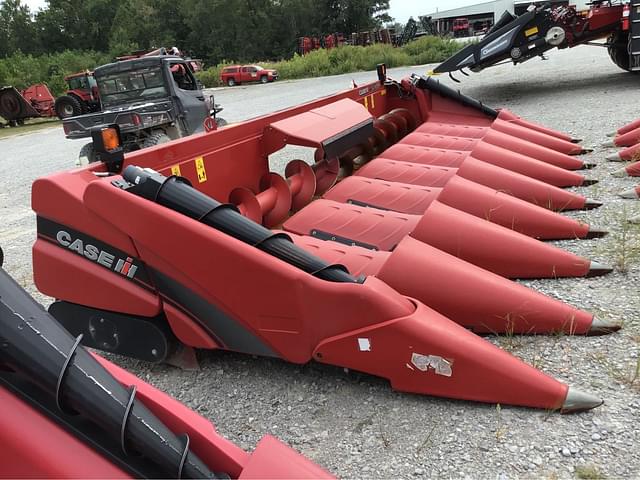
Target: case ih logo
93	253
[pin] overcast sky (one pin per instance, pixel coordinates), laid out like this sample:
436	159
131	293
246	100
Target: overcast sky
401	10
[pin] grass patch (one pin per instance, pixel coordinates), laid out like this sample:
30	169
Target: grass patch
589	472
623	245
31	125
348	59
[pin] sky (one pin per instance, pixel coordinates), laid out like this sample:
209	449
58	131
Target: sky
401	10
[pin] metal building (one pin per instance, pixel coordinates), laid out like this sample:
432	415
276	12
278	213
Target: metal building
482	15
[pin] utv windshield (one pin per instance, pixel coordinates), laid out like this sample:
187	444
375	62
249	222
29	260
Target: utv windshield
137	85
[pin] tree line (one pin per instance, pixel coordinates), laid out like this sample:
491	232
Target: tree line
214	30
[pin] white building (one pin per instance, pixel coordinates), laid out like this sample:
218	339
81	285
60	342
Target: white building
481	13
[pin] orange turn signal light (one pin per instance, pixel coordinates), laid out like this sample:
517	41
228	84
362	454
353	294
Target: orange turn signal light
110	139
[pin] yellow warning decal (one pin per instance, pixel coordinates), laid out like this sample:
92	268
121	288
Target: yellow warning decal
366	102
175	170
383	92
373	101
202	173
531	31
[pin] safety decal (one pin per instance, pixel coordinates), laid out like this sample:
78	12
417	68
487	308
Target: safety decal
200	170
175	170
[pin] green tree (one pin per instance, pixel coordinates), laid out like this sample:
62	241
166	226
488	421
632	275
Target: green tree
16	28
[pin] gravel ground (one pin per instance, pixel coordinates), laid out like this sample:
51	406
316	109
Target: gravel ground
354	425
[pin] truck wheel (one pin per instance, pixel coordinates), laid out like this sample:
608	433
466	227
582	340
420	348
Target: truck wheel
87	155
231	82
11	105
619	49
264	79
68	106
156	138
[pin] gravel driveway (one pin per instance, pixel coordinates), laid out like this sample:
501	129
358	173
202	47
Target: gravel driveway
354	425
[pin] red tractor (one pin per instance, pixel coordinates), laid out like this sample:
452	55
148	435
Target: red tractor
82	96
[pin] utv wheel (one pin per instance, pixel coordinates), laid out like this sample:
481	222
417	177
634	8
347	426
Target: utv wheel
231	82
87	155
619	49
264	79
220	122
156	138
68	106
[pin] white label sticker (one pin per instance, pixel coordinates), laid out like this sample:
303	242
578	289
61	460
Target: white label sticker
364	344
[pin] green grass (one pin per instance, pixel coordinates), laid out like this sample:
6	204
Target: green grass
31	125
348	59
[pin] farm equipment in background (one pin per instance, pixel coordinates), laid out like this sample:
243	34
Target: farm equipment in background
518	39
18	105
461	27
81	97
172	248
153	99
69	413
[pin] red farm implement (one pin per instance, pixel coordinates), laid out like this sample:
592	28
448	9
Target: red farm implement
18	105
388	254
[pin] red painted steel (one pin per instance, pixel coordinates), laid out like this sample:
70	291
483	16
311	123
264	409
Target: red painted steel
432	151
507	128
490	141
475	240
491	303
503	180
503	114
464	195
630	153
481	367
628	127
509	116
627	139
633	169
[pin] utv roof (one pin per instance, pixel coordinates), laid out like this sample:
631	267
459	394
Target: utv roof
133	64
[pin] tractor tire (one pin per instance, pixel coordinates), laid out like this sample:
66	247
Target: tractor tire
231	82
87	155
68	106
156	138
619	49
11	105
264	79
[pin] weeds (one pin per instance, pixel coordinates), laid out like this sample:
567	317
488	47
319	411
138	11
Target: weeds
624	244
589	472
348	59
501	430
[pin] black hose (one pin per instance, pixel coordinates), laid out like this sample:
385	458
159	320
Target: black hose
177	194
36	346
